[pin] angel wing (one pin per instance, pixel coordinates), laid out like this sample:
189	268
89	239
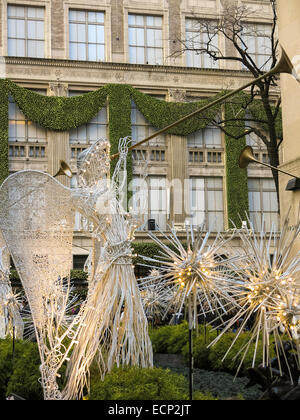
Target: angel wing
37	222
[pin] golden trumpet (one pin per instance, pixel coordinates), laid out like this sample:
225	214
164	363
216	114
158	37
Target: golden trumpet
64	169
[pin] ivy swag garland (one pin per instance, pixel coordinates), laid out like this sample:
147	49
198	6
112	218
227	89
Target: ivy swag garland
65	113
4	170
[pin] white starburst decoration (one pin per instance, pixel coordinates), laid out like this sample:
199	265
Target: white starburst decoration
197	277
269	293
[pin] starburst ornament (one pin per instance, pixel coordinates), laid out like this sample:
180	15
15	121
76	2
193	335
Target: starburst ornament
196	277
268	298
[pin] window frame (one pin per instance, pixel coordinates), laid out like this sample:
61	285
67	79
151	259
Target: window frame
27	6
87	10
262	191
145	27
206	212
254	56
203	56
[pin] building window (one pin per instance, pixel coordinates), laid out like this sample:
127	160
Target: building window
145	39
92	131
198	34
26	31
209	137
141	129
150	195
86	35
206	203
257	39
263	204
26	139
79	261
20	129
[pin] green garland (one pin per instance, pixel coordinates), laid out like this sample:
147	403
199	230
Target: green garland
4	171
65	113
237	179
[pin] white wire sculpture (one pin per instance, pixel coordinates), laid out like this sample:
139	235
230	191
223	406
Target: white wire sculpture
37	222
199	277
113	323
11	323
269	293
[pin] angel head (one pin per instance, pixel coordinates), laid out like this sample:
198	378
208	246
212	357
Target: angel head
94	164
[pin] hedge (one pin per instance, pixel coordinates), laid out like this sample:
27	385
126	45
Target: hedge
174	339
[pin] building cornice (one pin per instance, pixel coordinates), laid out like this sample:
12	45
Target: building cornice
50	62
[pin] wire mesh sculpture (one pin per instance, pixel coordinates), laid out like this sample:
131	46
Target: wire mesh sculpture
268	300
11	323
37	222
113	323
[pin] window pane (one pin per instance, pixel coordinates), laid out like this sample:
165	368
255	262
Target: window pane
100	34
40	49
100	52
12	47
81	34
132	39
140	58
140	37
73	51
81	51
92	17
132	55
72	32
92	33
92	52
20	48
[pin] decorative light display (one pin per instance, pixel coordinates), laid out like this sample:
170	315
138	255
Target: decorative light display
198	277
268	300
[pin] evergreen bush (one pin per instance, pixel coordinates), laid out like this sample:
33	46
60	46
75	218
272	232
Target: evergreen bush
133	383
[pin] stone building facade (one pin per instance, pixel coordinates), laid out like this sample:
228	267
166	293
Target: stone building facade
70	47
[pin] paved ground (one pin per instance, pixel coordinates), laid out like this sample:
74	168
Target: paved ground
220	384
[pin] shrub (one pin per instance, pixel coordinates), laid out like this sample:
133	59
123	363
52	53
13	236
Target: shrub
160	337
174	339
234	358
6	366
201	352
20	374
178	338
132	383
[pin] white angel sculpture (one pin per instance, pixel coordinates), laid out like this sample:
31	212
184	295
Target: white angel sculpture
113	324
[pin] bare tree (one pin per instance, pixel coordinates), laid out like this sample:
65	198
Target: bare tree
263	113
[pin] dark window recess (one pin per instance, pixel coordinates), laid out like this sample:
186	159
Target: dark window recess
79	261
